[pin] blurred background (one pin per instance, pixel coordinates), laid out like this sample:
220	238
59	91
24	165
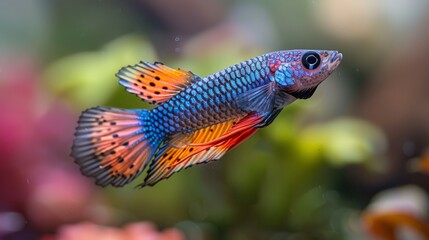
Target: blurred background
350	163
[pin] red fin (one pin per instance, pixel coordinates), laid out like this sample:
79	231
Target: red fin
245	123
154	83
204	145
111	146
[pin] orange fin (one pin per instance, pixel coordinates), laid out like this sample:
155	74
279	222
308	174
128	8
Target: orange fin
111	145
155	83
204	145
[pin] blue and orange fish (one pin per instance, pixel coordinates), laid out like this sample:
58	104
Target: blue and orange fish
197	120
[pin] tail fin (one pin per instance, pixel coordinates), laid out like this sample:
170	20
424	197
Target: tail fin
113	145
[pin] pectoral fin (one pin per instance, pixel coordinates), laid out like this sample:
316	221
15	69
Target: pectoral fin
259	99
304	94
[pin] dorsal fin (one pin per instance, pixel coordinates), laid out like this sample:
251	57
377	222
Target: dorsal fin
155	83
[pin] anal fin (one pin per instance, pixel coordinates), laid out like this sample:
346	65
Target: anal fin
202	146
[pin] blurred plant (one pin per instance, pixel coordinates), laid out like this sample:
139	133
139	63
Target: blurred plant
87	79
133	231
281	173
420	163
38	182
343	141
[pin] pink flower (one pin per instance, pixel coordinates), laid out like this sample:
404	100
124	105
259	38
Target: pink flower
38	179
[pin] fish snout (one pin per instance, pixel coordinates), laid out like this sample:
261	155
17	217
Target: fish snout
336	57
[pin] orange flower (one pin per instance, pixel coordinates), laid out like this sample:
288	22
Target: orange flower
396	213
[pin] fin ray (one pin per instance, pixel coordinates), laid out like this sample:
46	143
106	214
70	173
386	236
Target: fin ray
204	145
154	83
260	99
111	145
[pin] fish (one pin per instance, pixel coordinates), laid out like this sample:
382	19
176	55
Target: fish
196	119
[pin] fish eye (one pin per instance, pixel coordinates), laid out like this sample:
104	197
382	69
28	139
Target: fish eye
310	60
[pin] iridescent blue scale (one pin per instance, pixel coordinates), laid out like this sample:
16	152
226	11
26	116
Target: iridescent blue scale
213	97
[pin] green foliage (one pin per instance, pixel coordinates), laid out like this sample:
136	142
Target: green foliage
88	79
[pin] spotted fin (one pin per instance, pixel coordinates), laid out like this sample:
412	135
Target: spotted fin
260	99
202	146
112	145
155	83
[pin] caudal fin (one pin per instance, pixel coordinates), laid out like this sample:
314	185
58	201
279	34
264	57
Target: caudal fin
113	145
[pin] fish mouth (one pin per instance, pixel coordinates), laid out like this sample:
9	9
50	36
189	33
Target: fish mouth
336	56
335	59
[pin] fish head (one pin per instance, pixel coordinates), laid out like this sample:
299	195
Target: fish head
299	72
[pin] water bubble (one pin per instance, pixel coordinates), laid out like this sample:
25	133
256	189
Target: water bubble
177	38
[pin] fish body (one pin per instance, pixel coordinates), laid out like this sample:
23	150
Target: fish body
197	119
